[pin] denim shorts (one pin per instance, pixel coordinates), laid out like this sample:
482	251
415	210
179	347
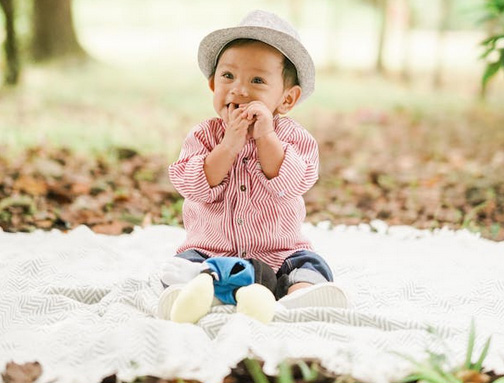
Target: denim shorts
301	266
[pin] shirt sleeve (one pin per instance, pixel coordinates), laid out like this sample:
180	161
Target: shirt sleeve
299	169
187	174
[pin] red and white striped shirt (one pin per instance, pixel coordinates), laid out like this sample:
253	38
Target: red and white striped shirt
246	215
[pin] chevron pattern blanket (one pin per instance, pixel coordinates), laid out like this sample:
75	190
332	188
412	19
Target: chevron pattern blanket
82	305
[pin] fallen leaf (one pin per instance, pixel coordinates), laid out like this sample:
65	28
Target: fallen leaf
111	228
147	220
59	193
48	167
80	188
30	185
82	216
110	379
21	373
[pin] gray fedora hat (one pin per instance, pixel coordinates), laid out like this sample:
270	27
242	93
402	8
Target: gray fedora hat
270	29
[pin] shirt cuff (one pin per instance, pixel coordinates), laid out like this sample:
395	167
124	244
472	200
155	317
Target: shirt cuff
193	184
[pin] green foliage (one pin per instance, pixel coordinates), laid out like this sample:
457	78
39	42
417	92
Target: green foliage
309	373
431	371
23	202
434	369
469	365
255	370
494	44
170	214
495	7
286	374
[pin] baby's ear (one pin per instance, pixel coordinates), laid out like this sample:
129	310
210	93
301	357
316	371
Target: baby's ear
211	83
291	97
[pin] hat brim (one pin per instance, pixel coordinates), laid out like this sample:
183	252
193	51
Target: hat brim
213	43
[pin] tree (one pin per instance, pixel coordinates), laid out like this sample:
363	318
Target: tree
408	21
53	30
446	7
383	7
11	76
396	14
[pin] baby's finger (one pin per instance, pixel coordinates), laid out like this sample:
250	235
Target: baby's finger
237	112
252	104
234	111
249	113
244	124
231	108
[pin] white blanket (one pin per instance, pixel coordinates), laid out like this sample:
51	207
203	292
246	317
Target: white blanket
82	304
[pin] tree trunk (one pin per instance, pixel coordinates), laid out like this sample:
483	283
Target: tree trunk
11	76
53	30
408	21
446	6
383	8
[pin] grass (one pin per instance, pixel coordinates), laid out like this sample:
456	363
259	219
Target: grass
434	369
91	107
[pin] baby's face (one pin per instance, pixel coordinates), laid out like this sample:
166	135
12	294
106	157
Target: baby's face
245	73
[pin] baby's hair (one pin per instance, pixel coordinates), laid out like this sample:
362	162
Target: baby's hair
289	71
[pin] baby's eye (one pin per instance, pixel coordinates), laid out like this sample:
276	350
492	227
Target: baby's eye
257	80
227	75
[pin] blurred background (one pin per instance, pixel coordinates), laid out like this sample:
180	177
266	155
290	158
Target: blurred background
99	94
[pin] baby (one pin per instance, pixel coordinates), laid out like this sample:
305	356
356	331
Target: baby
243	174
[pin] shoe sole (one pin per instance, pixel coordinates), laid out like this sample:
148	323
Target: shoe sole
319	295
166	301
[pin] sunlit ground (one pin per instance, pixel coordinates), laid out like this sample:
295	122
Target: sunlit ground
93	107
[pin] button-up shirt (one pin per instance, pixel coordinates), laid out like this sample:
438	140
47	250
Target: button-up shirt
246	215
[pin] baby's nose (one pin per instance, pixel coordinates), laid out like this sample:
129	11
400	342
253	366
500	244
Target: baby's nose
240	89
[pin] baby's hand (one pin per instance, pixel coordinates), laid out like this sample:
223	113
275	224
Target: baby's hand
259	117
235	135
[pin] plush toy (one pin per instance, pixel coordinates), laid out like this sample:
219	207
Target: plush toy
192	288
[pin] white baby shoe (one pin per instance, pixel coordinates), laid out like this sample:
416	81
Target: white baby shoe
187	303
319	295
256	301
166	300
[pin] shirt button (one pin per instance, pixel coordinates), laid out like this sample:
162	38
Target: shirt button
240	221
245	160
243	188
243	254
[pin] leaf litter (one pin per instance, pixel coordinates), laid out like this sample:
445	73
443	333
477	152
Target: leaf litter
396	167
